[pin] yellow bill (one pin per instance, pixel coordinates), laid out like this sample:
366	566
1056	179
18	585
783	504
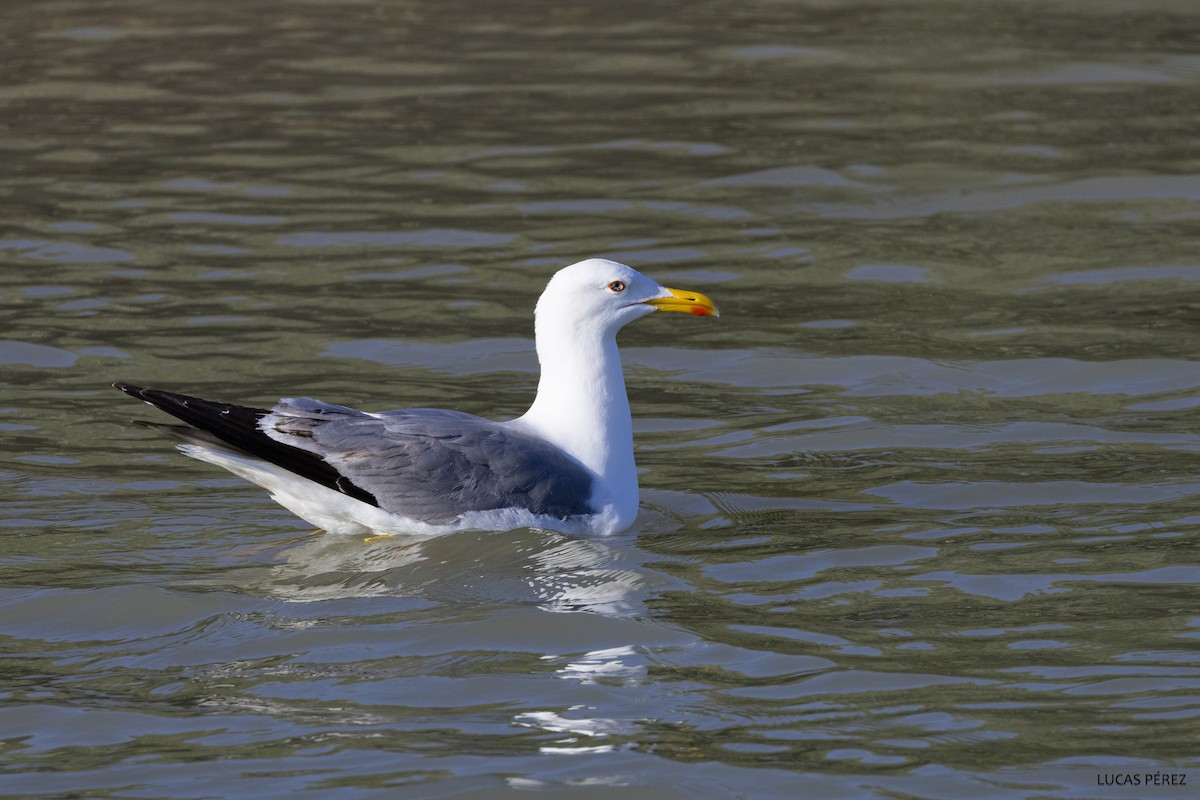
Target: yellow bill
688	302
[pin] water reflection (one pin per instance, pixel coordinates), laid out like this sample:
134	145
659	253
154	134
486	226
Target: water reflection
625	665
580	729
557	573
586	575
589	732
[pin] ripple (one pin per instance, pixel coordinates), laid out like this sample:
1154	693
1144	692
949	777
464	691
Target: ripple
839	683
802	567
35	355
798	175
1102	277
437	237
65	252
1111	189
995	494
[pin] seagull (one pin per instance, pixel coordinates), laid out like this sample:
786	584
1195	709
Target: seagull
565	465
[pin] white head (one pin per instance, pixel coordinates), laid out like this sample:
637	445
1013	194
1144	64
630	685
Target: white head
581	405
599	297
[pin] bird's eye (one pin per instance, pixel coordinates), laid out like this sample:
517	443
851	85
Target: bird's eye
616	286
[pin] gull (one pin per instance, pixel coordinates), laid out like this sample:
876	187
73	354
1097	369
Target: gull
565	465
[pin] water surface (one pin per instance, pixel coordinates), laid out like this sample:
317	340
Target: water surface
920	511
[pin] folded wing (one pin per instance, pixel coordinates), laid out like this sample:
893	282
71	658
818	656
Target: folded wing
434	465
424	464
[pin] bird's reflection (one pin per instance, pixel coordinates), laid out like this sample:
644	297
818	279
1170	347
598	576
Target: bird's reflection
557	573
537	568
625	665
579	729
586	575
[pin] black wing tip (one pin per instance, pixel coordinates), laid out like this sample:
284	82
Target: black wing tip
231	427
155	397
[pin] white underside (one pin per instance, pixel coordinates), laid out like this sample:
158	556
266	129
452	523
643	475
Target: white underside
341	514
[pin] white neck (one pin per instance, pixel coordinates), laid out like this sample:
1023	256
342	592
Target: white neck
581	407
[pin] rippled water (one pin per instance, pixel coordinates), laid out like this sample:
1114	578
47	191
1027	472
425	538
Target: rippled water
920	511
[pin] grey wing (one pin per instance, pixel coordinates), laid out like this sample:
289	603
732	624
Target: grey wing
434	465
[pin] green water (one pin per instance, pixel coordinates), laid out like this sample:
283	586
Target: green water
920	510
